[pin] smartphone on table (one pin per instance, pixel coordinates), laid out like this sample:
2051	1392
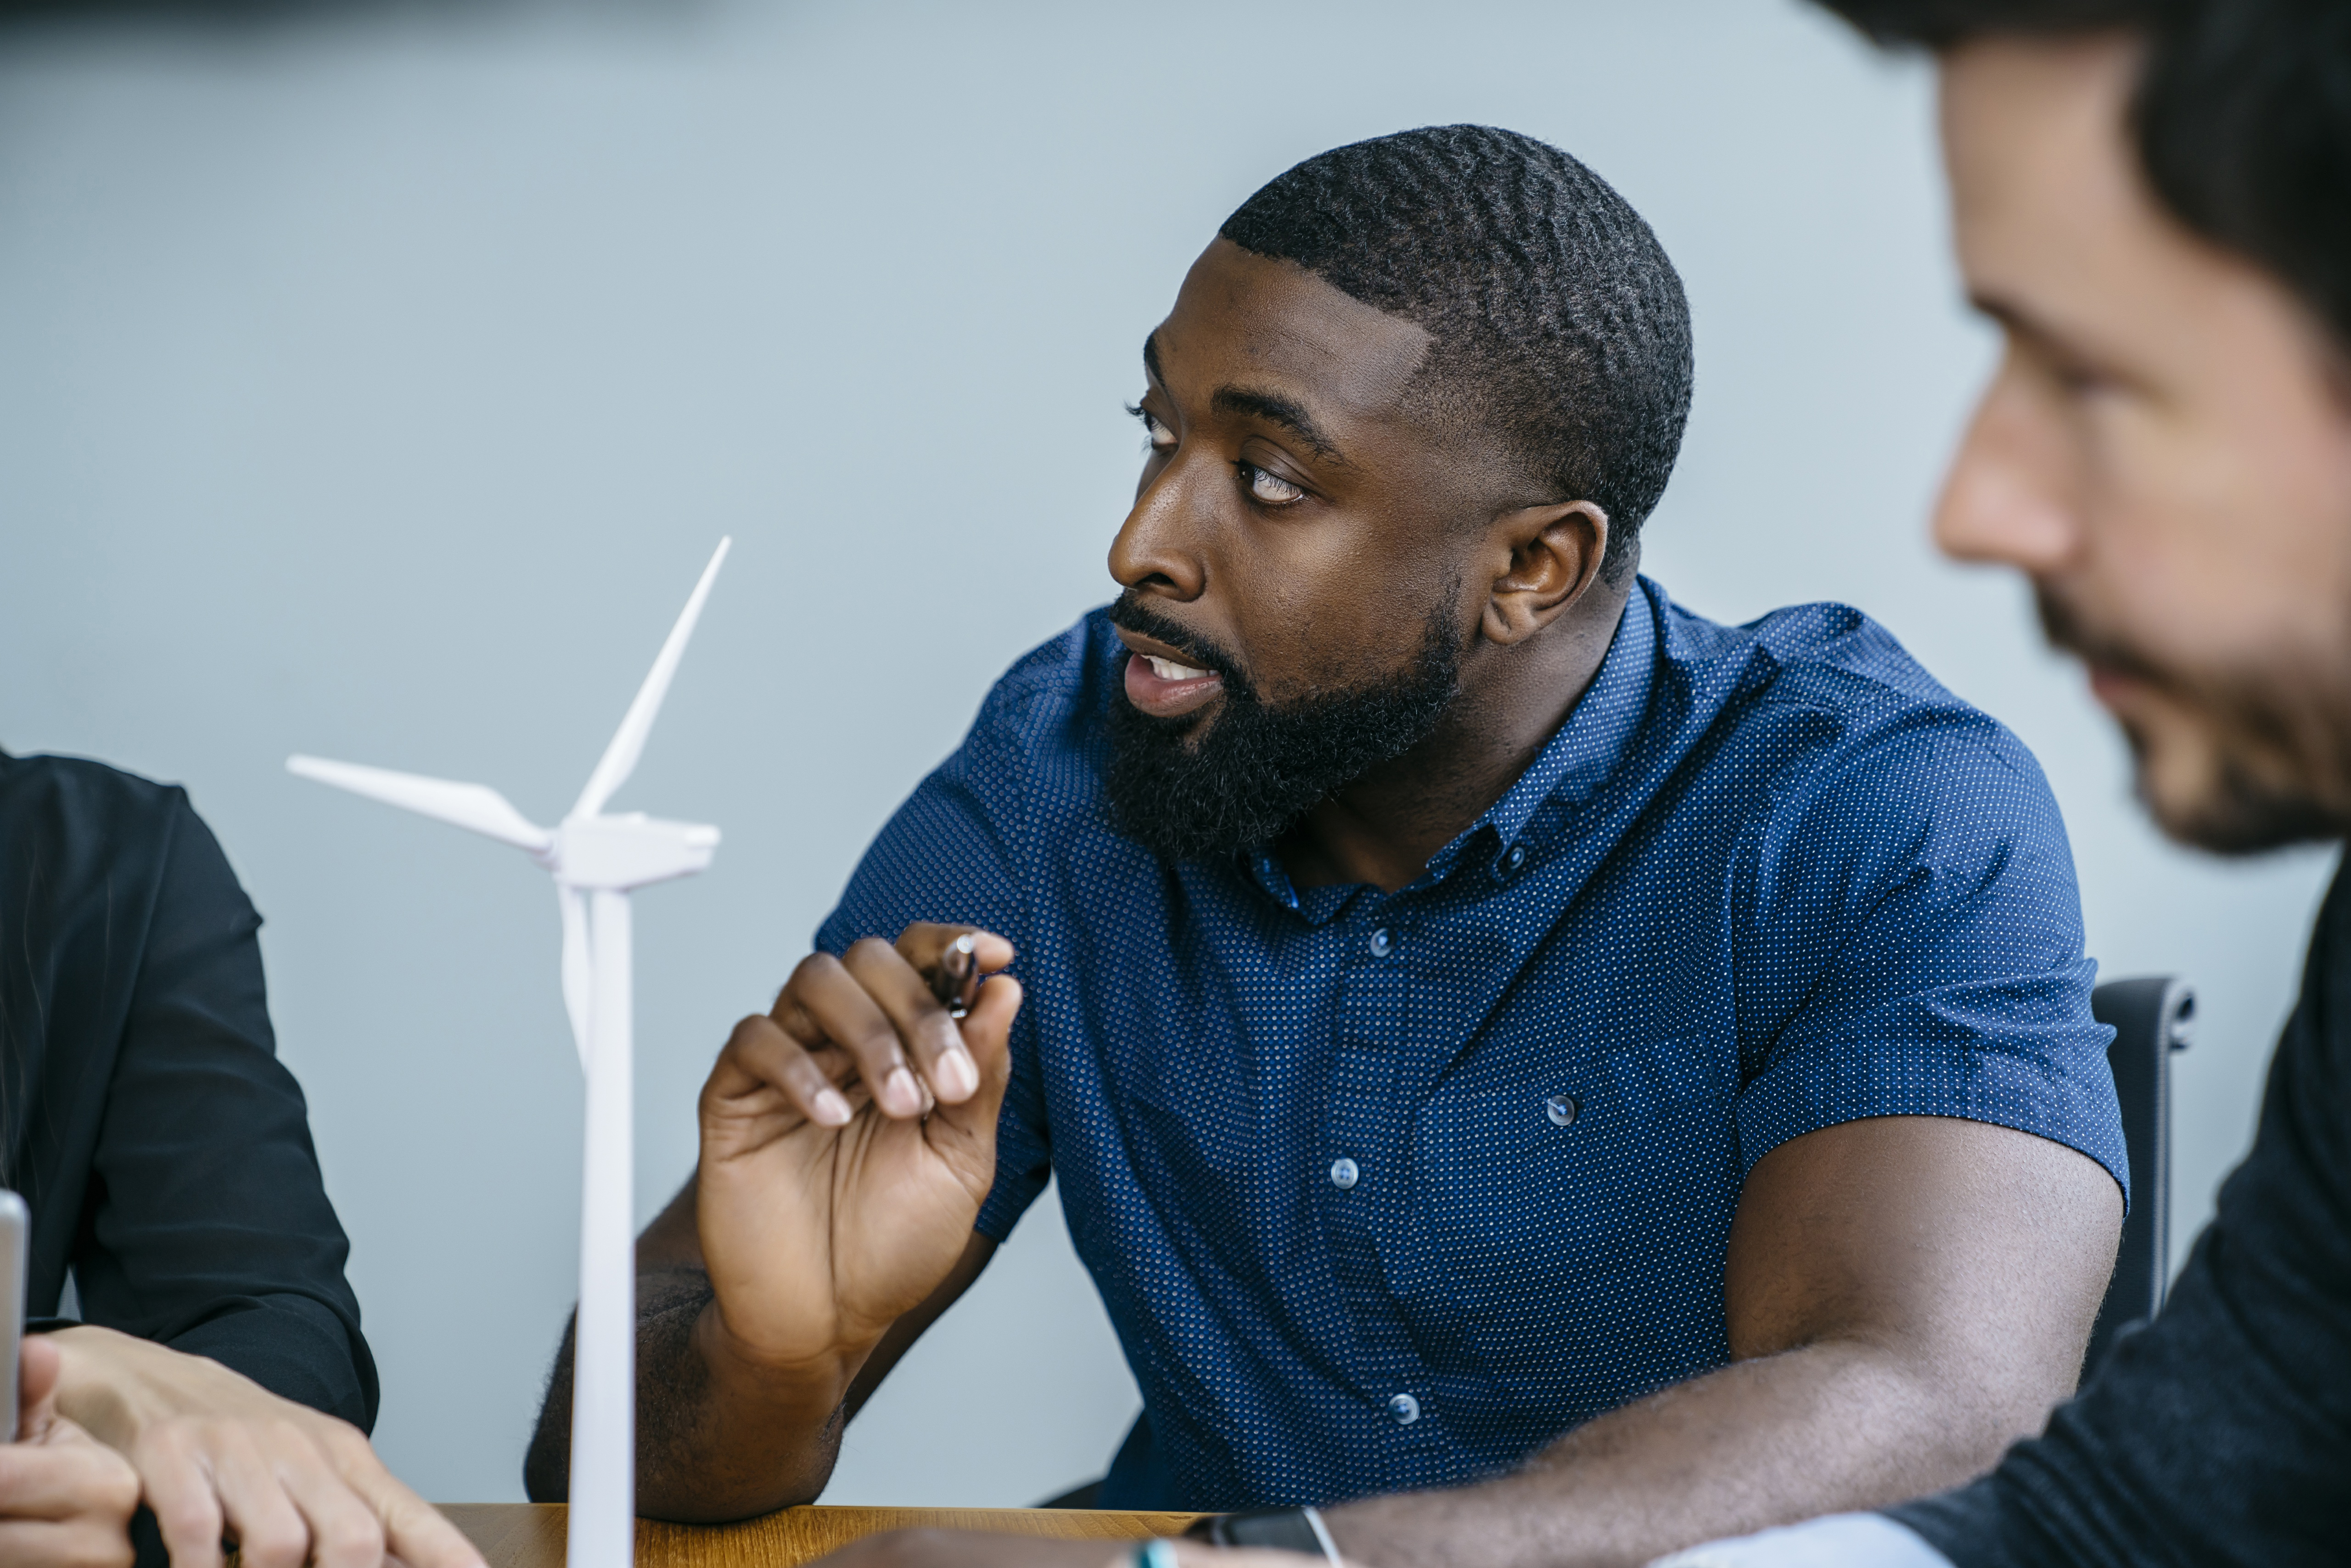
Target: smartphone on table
15	1223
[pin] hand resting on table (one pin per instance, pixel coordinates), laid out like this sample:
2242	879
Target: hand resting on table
66	1499
215	1454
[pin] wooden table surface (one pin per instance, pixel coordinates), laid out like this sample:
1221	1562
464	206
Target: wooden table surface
531	1535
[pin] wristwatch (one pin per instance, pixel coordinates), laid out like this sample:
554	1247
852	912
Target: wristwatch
1275	1528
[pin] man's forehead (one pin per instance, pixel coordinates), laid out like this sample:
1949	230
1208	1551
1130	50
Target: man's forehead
1247	320
2049	208
2058	229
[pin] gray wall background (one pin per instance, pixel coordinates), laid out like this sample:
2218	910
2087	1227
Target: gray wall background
374	385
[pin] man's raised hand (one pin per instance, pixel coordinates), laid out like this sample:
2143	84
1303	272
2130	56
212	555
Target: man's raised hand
848	1139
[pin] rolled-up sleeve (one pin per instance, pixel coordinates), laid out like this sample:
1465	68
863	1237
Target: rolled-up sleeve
1923	894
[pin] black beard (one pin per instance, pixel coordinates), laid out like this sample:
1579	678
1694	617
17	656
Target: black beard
1260	769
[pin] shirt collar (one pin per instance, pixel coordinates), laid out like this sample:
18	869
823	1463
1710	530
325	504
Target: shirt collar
1573	765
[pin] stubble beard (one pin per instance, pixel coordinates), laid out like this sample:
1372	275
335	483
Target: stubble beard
2244	764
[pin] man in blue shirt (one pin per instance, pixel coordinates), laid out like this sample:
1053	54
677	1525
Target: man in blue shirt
1462	994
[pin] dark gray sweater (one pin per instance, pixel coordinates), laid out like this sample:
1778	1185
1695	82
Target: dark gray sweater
2221	1433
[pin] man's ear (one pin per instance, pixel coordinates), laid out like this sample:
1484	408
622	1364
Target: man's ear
1555	553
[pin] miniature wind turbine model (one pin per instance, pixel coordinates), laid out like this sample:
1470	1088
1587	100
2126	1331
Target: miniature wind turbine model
597	861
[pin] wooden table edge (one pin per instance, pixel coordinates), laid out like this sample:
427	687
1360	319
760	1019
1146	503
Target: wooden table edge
531	1535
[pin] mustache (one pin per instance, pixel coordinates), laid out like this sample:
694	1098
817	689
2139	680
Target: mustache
1130	611
2069	631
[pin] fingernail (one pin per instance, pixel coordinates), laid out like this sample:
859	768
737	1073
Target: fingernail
957	1077
904	1095
832	1108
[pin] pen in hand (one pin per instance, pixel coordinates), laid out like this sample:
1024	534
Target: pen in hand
956	981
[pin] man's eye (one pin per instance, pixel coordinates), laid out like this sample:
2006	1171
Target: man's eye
2076	378
1162	439
1271	488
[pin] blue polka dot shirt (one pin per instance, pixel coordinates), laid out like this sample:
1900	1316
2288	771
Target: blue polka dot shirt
1387	1190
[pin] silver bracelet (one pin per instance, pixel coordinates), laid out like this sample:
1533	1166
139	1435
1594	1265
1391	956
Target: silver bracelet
1322	1535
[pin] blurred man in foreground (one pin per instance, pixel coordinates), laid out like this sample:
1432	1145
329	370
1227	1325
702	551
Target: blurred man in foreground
2154	203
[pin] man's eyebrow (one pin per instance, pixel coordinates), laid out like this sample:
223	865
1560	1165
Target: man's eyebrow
2004	313
2021	323
1279	410
1272	407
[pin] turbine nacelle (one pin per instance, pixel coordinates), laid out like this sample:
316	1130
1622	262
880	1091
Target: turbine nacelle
617	854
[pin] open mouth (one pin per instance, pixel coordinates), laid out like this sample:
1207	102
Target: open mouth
1169	670
1164	687
2118	690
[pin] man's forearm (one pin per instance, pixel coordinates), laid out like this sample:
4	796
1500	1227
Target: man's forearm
717	1439
1820	1429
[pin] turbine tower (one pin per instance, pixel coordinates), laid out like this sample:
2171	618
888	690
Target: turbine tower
597	862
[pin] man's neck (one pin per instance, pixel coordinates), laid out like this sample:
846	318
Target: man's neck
1384	828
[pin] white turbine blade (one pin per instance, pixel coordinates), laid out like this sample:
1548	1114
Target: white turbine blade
620	759
578	980
475	806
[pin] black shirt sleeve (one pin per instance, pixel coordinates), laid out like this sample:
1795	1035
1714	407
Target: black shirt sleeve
164	1148
208	1226
2221	1434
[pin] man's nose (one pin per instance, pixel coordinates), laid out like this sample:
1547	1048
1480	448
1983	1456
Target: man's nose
2013	496
1156	550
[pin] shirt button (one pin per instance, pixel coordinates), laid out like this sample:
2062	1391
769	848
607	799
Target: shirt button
1380	943
1404	1408
1518	856
1562	1109
1343	1174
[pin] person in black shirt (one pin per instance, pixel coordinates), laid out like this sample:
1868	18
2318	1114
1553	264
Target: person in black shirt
165	1155
2153	200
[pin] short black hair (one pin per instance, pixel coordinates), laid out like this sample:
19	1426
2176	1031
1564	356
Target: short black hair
1558	322
2242	116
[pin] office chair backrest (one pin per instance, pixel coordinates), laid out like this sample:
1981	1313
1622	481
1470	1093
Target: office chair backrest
2151	1018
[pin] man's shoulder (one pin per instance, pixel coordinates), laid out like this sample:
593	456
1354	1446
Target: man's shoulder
1828	694
1830	657
1036	752
1845	679
1049	703
86	855
1062	674
73	807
